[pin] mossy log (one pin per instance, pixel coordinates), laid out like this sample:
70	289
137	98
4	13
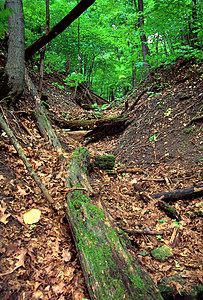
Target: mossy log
110	269
74	124
43	123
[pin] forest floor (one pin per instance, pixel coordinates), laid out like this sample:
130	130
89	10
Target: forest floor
163	149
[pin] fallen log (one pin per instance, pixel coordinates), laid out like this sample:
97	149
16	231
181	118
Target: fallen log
188	193
110	270
107	128
43	123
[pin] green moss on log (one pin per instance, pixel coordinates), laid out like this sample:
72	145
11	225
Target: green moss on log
105	162
103	252
110	271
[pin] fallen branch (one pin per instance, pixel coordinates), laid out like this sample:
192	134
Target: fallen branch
19	150
183	111
188	193
109	127
137	100
197	119
168	209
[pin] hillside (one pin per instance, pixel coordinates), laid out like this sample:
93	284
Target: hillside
160	151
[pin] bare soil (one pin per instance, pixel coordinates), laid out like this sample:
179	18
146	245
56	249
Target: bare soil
162	147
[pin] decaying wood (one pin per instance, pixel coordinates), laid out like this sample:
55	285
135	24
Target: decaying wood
110	270
197	119
168	209
107	128
19	150
175	238
137	99
188	193
75	124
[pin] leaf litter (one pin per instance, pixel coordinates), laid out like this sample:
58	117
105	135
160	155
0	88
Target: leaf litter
41	261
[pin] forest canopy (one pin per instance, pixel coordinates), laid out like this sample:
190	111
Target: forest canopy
104	46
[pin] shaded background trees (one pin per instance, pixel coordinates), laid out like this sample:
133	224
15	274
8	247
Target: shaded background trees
109	44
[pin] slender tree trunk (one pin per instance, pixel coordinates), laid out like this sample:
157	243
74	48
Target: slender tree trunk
41	72
12	81
143	38
134	79
164	45
79	52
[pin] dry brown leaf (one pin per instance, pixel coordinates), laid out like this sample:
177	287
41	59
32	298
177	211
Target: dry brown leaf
178	286
59	288
20	263
66	255
2	177
21	258
20	191
3	215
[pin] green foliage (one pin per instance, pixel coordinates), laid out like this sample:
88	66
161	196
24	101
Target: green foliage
74	79
97	108
103	46
61	87
4	13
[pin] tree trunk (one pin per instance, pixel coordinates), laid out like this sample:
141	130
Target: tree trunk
143	38
41	71
111	272
12	81
58	28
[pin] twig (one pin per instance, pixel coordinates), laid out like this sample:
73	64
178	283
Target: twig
143	231
197	119
182	112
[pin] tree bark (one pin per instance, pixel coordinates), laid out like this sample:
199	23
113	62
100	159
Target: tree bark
12	81
111	272
58	28
43	123
143	38
41	70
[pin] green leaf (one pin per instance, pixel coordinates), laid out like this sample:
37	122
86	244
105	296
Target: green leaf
144	253
159	237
